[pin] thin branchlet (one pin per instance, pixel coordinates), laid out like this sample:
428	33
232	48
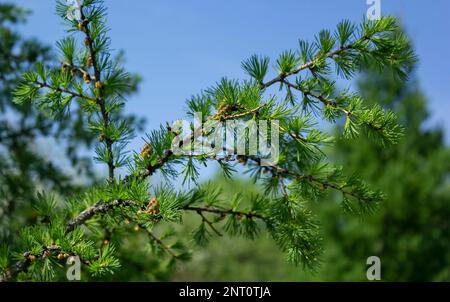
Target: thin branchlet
101	98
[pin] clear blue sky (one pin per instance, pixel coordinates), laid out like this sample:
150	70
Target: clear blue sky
180	47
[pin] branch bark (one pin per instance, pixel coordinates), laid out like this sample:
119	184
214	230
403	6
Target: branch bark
223	212
100	206
100	99
307	65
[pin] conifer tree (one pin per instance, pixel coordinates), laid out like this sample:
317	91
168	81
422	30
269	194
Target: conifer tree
91	80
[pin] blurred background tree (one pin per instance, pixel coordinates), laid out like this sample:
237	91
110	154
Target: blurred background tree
410	230
410	233
27	163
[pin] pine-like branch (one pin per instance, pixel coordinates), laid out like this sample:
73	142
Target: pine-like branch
101	98
65	90
290	179
99	207
223	212
280	78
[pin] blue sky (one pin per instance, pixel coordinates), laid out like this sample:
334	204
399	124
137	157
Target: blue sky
181	47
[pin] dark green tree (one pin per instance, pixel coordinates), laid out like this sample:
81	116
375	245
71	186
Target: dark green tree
410	231
95	226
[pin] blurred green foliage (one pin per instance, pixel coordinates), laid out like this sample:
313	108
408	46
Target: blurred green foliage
29	160
25	163
235	258
409	231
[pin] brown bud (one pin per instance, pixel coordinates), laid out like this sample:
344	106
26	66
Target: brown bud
32	258
98	85
26	254
101	137
83	25
87	41
87	78
153	206
146	151
61	256
47	254
241	159
105	242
